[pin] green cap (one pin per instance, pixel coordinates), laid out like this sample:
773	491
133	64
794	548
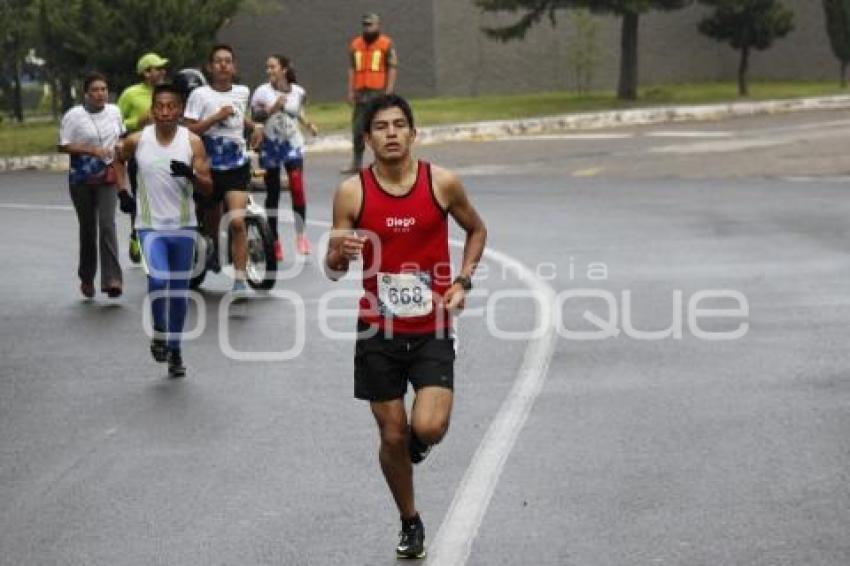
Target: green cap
149	60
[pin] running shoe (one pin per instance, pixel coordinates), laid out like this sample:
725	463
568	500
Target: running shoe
135	249
302	244
159	350
418	449
87	289
175	363
112	290
278	250
411	542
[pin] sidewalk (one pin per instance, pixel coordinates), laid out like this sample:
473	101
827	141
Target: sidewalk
480	131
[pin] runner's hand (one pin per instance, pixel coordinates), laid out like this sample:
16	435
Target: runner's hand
455	298
225	112
127	205
351	246
180	169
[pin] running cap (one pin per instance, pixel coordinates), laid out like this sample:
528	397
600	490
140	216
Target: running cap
150	60
371	18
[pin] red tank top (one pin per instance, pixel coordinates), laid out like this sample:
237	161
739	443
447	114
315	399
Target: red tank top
406	264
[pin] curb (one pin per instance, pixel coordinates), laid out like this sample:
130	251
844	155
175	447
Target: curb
479	131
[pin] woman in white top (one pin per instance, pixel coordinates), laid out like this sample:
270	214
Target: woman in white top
281	104
88	133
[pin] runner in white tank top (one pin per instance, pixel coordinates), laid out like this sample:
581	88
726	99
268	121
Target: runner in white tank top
171	160
165	201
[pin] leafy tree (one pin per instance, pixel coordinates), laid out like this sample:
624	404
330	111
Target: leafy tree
109	35
16	37
747	25
533	11
837	14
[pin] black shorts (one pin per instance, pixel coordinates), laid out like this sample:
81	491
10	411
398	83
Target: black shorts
228	180
384	365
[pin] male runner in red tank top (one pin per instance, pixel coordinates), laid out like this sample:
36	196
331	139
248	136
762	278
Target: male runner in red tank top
394	215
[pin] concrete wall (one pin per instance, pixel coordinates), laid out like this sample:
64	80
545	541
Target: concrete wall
315	34
443	51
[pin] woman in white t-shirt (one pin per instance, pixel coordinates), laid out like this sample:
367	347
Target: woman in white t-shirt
281	104
88	133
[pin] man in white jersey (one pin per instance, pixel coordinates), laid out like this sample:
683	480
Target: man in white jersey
170	159
219	114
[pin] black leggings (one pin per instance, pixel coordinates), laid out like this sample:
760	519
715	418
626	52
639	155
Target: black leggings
295	173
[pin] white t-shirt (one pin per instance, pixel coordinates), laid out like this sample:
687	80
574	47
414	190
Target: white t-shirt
225	140
283	124
165	201
99	129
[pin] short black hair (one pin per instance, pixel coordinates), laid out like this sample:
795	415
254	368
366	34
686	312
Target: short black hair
169	87
91	77
221	47
382	103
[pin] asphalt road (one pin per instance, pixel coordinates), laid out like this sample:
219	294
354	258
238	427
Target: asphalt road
674	448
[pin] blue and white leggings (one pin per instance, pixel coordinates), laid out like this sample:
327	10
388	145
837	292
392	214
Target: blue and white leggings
169	257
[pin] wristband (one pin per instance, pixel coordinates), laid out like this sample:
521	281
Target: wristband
464	281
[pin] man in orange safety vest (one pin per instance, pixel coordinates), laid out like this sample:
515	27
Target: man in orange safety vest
371	73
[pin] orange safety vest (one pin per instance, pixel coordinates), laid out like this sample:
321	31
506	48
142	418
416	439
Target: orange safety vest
370	62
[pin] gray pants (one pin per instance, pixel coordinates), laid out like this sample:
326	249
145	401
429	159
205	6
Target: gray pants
361	101
95	206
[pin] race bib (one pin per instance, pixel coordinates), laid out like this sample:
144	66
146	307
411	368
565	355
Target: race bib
404	295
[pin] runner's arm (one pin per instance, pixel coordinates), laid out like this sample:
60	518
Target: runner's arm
344	245
84	149
392	69
200	166
302	117
126	147
460	208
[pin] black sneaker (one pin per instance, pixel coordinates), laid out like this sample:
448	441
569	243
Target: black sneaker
175	363
411	542
418	449
159	350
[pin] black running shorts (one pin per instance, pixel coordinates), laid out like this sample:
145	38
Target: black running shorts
228	180
384	365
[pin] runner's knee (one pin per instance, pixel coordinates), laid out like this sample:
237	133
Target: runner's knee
431	431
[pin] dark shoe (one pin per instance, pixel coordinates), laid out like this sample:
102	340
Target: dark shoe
113	290
175	363
411	542
135	249
87	289
418	449
159	350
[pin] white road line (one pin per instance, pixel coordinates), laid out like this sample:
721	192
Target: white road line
24	206
720	146
453	542
688	134
566	137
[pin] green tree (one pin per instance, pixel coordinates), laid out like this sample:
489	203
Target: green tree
747	25
181	30
109	35
582	52
17	29
837	14
533	11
